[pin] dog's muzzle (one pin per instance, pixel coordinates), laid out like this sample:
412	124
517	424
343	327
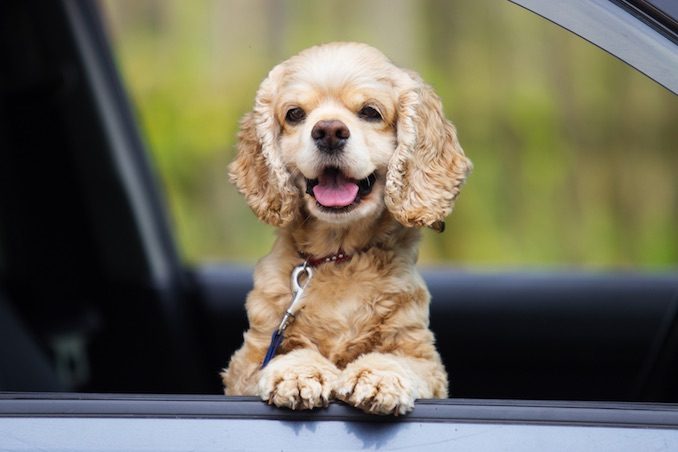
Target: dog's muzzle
336	192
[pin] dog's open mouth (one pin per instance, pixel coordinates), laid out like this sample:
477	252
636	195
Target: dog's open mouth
336	192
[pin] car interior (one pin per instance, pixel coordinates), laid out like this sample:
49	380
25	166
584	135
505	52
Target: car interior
94	297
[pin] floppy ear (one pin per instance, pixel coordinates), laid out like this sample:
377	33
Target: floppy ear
257	171
428	167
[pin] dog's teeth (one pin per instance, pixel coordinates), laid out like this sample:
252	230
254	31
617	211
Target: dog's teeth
310	183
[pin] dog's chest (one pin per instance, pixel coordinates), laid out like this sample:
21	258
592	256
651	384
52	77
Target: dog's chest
342	321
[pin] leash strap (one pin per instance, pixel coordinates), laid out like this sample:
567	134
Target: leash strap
276	339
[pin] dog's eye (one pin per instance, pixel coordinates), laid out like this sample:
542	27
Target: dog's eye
369	114
295	115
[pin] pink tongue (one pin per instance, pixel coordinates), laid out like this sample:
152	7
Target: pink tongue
334	190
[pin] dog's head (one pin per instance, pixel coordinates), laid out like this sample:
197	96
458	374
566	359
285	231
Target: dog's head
340	129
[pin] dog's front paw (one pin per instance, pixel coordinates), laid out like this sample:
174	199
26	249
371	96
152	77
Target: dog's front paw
376	391
299	386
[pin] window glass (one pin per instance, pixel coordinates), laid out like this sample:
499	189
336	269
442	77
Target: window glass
574	152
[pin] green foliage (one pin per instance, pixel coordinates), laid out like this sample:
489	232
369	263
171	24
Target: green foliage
574	152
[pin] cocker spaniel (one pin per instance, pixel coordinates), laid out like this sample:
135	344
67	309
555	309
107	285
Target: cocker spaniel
349	156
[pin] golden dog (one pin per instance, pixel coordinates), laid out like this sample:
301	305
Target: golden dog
348	155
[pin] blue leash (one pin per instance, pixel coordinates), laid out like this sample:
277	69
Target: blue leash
276	339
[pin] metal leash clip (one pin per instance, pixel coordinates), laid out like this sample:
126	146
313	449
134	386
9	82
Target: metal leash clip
303	271
297	292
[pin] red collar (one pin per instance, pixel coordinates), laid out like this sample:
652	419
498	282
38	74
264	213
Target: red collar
339	257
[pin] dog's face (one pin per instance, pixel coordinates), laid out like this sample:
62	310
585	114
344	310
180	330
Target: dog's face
342	131
337	111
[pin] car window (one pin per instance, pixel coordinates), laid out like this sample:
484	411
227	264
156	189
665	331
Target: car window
574	151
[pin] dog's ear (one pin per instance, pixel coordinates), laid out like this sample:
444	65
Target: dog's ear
258	171
428	167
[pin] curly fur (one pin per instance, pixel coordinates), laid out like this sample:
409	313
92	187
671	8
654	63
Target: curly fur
362	335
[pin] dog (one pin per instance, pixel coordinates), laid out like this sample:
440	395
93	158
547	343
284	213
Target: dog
349	156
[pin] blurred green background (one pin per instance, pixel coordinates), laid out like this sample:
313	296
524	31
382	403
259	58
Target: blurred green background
574	152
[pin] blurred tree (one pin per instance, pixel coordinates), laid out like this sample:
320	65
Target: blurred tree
574	152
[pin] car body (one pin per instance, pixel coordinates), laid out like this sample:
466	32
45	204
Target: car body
94	296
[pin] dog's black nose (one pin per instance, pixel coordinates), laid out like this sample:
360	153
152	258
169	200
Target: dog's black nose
330	135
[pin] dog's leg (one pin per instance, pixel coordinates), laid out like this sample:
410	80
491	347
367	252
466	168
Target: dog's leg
301	379
242	375
384	383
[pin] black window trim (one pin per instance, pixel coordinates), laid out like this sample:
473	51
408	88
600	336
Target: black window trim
125	146
649	13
